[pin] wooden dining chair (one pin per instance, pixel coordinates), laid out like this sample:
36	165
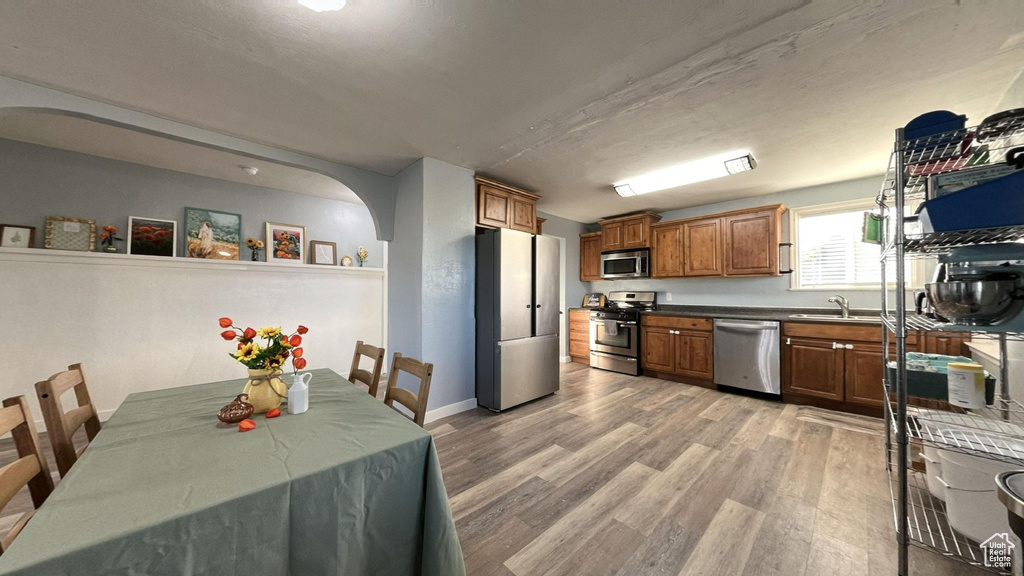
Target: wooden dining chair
371	379
417	403
61	425
30	469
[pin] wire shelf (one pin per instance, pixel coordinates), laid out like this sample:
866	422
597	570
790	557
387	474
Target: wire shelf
924	323
928	526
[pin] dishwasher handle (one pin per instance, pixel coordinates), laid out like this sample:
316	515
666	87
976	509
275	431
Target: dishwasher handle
740	326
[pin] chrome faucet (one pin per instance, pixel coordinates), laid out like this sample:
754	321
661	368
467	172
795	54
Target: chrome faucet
844	304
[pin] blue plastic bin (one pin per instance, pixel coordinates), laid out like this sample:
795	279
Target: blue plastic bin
993	204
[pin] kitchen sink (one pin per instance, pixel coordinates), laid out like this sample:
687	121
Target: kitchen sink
837	318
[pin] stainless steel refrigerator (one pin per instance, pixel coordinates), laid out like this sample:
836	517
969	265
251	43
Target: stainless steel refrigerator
517	317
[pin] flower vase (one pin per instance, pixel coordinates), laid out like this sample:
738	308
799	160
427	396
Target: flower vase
360	262
255	256
265	390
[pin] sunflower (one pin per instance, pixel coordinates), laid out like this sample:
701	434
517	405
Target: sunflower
259	244
250	242
247	352
268	332
275	363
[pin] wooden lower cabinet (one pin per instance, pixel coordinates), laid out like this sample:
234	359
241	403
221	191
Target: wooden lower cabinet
948	343
695	354
675	345
813	368
863	375
579	335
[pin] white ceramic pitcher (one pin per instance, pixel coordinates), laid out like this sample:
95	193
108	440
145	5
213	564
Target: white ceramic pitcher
298	393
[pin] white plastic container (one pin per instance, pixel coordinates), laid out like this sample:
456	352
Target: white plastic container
972	505
933	473
966	383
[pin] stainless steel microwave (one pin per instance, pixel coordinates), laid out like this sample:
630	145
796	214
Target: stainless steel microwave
626	264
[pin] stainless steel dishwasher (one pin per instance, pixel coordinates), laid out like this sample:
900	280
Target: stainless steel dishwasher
747	355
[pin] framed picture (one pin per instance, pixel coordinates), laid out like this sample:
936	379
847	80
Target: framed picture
593	300
212	234
12	236
325	253
152	237
285	242
64	233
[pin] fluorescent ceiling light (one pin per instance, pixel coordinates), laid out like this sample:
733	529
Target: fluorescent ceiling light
323	5
696	171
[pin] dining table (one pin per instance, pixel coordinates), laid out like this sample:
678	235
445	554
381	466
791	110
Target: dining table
349	487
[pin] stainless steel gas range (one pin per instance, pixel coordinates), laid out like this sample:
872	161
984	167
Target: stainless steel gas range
615	331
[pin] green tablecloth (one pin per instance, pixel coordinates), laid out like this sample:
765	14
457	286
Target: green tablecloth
350	487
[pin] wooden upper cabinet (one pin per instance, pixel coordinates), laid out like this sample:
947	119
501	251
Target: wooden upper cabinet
502	206
702	247
667	250
611	236
492	207
752	242
628	232
524	214
540	225
590	257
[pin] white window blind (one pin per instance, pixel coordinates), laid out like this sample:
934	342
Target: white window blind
831	254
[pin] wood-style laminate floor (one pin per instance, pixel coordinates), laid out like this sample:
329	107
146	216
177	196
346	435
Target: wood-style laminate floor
617	475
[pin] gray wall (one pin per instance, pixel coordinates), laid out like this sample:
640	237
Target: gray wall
38	181
772	291
431	276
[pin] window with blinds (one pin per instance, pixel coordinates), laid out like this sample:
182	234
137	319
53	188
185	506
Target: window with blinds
829	250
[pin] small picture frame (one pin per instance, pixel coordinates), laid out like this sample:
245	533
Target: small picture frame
152	237
595	300
346	261
285	243
323	253
14	236
63	233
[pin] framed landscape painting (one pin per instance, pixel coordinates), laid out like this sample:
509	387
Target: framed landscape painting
212	234
152	237
285	243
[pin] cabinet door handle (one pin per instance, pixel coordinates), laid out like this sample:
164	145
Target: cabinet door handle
836	346
788	342
849	346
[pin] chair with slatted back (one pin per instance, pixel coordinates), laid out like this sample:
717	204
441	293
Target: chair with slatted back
371	379
30	469
61	425
417	403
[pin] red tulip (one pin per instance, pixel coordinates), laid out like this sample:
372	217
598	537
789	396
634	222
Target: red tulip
302	330
295	340
225	322
297	352
228	334
300	363
249	334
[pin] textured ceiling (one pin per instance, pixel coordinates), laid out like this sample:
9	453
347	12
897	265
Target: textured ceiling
89	137
563	98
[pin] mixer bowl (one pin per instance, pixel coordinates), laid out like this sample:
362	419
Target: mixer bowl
976	302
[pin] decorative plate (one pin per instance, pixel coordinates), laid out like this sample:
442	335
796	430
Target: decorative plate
346	260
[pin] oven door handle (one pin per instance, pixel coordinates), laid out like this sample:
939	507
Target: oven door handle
616	356
619	322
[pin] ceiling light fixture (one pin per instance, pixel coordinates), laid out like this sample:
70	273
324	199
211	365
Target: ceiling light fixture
250	170
323	5
696	171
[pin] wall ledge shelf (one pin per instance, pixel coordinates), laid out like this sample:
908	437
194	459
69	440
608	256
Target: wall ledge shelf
48	256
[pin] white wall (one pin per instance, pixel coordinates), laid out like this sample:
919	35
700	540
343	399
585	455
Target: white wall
145	323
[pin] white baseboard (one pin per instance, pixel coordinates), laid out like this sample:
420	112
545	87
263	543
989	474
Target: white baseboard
445	411
566	359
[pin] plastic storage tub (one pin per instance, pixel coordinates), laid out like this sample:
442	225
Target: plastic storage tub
993	204
972	505
933	472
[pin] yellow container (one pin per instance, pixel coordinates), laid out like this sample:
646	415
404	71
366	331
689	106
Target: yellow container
265	390
966	382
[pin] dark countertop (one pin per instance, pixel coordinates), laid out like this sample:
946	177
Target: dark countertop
753	313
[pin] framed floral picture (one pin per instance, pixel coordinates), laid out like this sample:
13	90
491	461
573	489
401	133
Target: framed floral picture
212	234
152	237
285	243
